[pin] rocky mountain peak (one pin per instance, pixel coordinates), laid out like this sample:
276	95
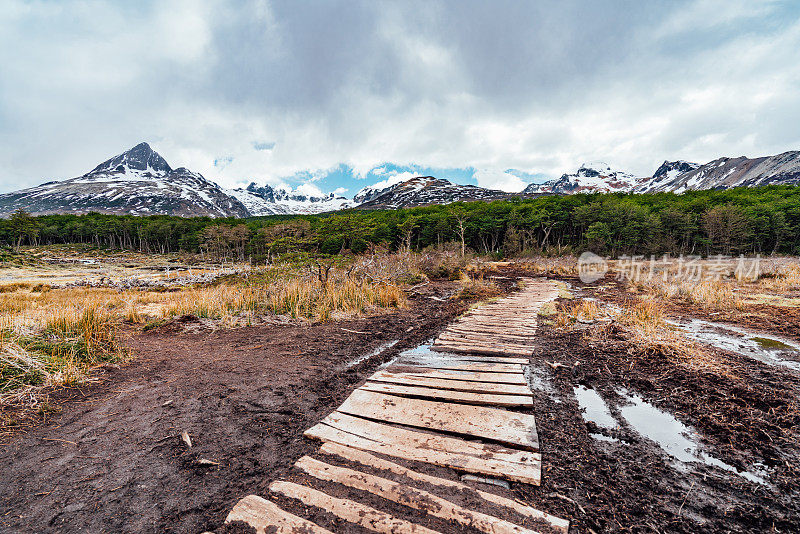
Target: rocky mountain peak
671	169
140	158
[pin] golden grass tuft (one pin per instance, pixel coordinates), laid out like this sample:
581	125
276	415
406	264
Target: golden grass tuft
297	297
475	286
583	311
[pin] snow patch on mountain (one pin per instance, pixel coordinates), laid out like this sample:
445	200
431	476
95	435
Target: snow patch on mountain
591	177
266	200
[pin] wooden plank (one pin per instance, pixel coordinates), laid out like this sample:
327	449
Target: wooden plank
496	378
487	339
500	348
502	426
455	385
409	496
478	349
466	397
479	329
461	365
368	459
482	359
262	514
351	511
491	342
445	451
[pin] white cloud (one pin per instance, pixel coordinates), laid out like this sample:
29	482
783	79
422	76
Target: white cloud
394	178
362	84
504	181
310	190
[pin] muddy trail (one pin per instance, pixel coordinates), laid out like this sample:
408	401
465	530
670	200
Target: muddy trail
631	441
113	459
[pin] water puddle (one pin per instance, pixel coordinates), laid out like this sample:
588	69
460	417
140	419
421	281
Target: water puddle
379	349
539	379
594	409
420	351
678	440
767	349
424	356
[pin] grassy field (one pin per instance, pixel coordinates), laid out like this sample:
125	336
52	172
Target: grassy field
61	310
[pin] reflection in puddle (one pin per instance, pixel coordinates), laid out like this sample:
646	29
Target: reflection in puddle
378	350
680	441
424	356
594	408
601	437
766	349
422	350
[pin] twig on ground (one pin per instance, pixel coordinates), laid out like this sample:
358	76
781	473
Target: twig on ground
686	497
355	331
58	439
565	498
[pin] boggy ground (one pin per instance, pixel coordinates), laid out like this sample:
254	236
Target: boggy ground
113	459
747	415
245	396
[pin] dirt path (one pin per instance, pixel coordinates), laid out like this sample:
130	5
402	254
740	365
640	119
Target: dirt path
244	396
446	423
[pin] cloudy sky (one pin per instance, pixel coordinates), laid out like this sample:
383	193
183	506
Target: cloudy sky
337	95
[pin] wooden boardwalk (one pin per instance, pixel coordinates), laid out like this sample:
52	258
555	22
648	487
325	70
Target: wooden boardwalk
466	407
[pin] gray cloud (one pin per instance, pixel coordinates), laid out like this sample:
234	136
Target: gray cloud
490	85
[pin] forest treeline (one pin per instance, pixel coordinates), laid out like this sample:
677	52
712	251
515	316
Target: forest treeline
763	220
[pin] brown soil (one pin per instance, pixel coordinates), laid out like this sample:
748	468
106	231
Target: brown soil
246	395
633	486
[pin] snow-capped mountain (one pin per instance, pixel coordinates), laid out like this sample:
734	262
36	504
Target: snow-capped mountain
724	173
266	200
594	177
420	191
137	182
141	182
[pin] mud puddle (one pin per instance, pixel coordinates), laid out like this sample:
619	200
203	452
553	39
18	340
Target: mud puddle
377	352
764	348
594	409
409	356
681	442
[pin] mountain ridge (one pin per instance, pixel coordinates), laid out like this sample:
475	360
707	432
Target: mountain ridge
139	181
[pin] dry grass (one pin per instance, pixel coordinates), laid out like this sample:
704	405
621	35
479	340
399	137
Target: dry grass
709	294
475	286
296	297
779	276
583	311
644	327
548	266
52	337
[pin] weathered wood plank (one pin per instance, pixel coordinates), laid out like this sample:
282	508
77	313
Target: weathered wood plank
262	514
496	378
489	339
368	459
455	385
481	359
462	365
489	342
351	511
467	397
502	426
508	332
478	349
409	496
445	451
